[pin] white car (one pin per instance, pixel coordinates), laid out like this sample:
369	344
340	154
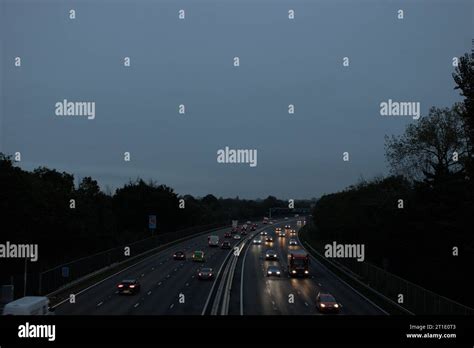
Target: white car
257	241
236	236
293	241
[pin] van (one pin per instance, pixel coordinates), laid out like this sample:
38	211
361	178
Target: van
29	305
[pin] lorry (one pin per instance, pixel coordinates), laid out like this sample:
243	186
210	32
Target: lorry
265	220
213	241
29	305
298	263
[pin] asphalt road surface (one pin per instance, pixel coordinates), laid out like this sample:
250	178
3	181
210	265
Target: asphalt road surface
171	287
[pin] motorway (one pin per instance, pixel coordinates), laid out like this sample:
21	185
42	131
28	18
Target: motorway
171	287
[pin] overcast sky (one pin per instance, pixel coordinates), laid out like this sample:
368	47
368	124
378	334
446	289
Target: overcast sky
191	62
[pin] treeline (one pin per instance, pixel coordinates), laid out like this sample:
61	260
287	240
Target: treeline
412	221
36	207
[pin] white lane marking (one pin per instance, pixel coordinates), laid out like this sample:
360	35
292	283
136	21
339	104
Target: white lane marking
168	276
153	268
136	304
319	284
175	270
159	283
100	304
306	304
172	305
187	284
149	292
143	274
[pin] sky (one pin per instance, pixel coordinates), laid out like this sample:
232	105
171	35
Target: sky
190	62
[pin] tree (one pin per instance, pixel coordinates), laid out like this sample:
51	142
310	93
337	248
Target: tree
432	149
464	79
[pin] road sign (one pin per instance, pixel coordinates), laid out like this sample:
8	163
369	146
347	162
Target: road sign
152	222
235	223
65	272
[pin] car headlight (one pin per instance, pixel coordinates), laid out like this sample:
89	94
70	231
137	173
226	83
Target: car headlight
336	306
293	271
278	272
306	272
269	272
323	305
268	256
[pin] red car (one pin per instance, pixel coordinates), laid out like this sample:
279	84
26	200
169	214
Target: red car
326	302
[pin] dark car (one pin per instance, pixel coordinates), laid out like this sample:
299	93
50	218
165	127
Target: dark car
269	239
205	273
243	233
326	302
225	245
179	255
273	271
253	228
129	287
271	255
234	230
227	235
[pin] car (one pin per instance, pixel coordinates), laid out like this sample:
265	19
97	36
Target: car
249	222
293	232
253	228
205	273
198	256
243	228
243	233
255	225
325	302
286	217
257	241
179	255
292	242
269	239
129	287
273	271
234	230
271	255
236	236
263	233
287	227
225	245
271	222
227	235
